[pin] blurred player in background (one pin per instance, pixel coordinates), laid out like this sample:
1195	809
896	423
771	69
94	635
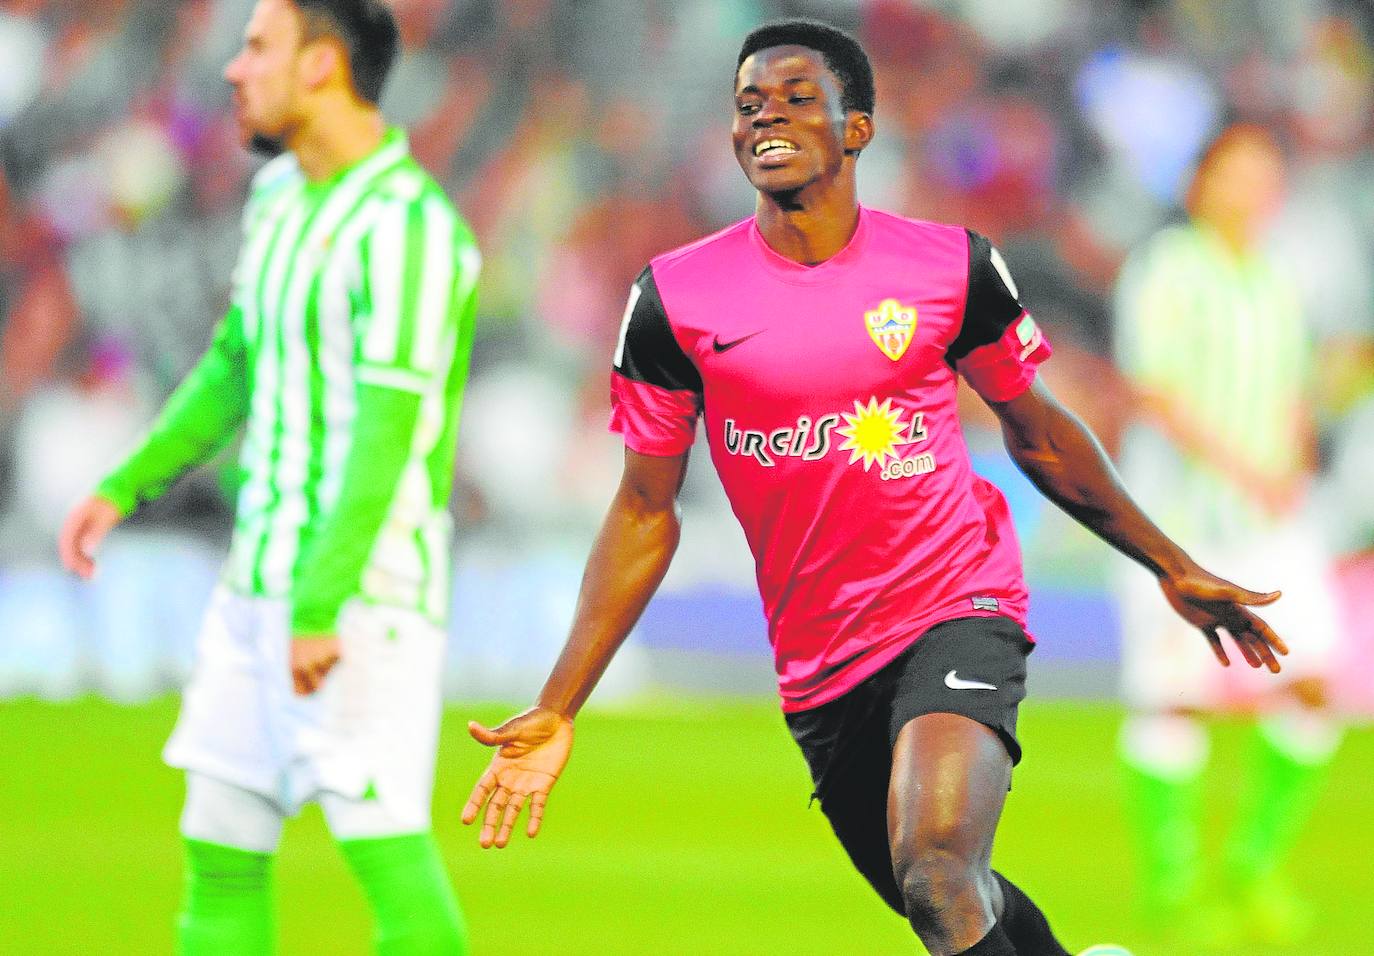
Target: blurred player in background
1215	346
344	352
823	342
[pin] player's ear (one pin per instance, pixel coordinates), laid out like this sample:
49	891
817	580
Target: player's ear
858	132
319	61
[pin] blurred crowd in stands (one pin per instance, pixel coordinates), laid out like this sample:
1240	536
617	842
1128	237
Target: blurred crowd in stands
581	137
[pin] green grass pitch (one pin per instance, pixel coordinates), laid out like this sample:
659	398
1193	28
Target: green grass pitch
681	827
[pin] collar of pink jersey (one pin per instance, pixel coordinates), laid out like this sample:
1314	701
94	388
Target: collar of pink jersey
790	271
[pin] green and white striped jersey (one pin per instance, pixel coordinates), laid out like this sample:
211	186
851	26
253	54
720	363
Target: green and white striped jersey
1224	338
344	352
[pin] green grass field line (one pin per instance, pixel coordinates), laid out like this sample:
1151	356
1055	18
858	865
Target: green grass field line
677	829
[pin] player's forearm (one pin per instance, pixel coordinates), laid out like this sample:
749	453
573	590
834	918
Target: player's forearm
626	566
331	569
200	417
1066	462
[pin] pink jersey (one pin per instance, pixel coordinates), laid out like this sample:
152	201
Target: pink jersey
829	399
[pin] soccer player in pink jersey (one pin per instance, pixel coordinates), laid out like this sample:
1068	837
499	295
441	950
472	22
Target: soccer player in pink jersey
822	341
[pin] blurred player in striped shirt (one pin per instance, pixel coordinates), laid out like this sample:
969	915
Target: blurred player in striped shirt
1211	335
342	357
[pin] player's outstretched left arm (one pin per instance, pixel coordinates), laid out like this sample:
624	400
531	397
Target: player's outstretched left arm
1067	463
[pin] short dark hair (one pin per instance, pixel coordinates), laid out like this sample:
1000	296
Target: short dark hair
368	32
841	53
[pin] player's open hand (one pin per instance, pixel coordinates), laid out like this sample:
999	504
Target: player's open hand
534	749
86	526
312	658
1211	604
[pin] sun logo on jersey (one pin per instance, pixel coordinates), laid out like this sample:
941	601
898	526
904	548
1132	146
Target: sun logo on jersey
891	326
873	432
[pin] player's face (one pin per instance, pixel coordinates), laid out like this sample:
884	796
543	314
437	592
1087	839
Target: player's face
1244	183
789	128
265	74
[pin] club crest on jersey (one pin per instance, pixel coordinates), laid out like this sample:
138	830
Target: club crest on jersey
891	326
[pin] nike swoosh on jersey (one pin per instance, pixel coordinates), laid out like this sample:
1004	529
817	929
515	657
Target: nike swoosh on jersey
718	346
954	682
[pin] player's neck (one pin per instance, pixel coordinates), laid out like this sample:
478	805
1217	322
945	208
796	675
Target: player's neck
1238	235
808	228
336	137
1238	238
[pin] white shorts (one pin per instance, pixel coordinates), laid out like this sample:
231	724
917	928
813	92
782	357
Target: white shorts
1167	664
369	733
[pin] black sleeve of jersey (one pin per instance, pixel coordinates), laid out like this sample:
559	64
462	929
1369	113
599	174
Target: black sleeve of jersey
650	353
989	307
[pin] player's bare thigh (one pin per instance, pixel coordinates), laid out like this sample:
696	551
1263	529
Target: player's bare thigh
950	776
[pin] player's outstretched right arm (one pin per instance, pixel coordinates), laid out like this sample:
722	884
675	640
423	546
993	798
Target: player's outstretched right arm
627	563
199	417
1063	459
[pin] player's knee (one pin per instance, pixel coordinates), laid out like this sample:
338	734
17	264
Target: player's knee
932	878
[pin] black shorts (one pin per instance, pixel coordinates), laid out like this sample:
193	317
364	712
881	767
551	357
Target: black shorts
973	666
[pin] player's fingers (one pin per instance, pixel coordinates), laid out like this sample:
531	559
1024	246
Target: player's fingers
80	563
1267	634
479	795
496	806
306	679
1240	634
322	668
70	548
1214	640
90	532
66	546
89	539
508	821
1267	654
1262	650
537	801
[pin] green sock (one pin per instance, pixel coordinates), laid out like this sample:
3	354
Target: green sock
227	910
1287	774
412	900
1166	813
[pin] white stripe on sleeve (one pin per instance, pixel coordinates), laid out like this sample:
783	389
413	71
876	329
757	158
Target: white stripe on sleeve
386	279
